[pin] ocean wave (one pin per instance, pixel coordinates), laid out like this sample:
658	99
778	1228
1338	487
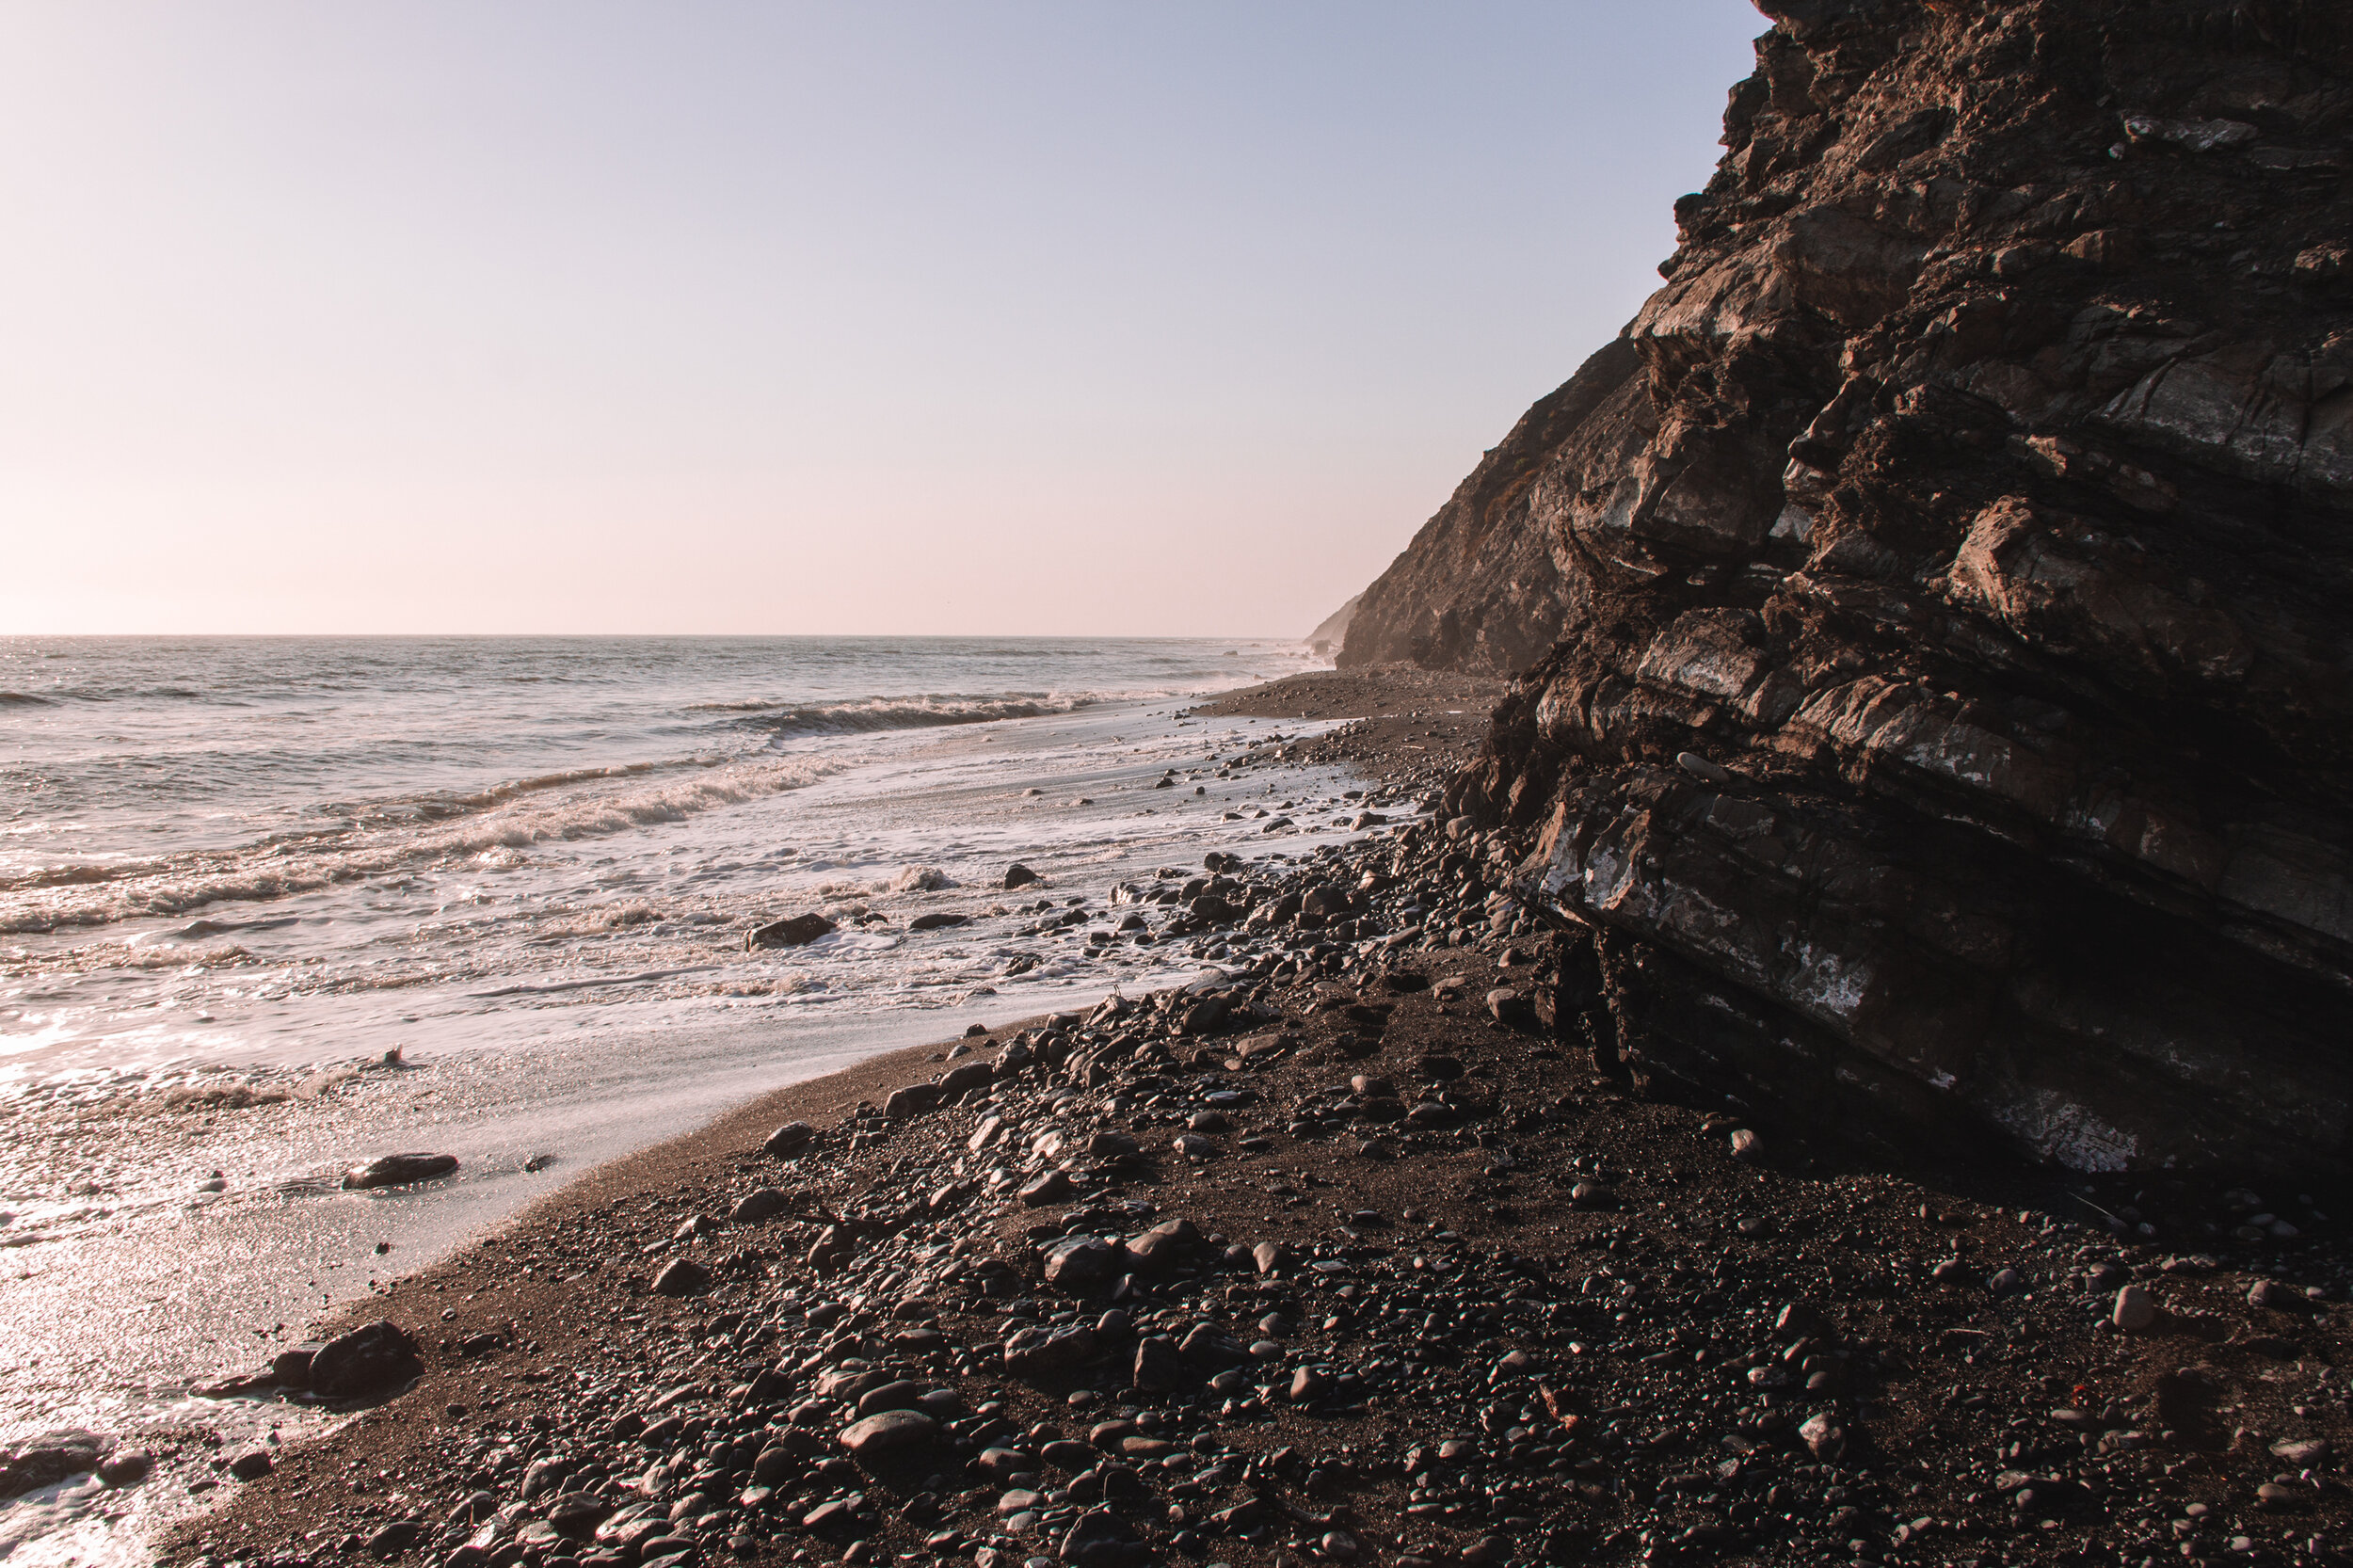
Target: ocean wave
438	805
864	715
283	867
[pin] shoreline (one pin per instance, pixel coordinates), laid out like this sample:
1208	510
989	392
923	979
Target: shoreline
169	1241
1372	1263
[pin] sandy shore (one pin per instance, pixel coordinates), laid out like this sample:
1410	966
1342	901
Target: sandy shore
1444	1291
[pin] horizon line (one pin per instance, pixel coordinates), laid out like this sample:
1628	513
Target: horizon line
902	636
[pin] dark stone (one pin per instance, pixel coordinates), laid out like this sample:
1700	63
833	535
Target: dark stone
1160	1367
758	1204
394	1538
578	1513
292	1365
1212	1349
368	1360
789	1140
1043	1353
1050	1187
889	1432
45	1463
1801	1320
972	1075
798	931
1019	875
905	1394
398	1170
682	1276
126	1468
1078	1261
1158	1248
1098	1539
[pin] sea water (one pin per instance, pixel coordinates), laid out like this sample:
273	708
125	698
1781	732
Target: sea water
269	906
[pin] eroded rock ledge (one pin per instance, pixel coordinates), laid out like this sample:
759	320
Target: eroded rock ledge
1976	525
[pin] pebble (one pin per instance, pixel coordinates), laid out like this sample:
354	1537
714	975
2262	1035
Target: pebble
789	1140
889	1432
757	1204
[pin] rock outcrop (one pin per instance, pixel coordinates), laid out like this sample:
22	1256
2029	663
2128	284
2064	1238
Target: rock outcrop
1325	641
1950	725
1478	590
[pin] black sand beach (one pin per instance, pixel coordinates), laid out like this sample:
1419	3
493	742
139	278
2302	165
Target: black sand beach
1379	1250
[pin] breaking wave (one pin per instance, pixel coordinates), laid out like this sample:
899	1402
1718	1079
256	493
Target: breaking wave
505	819
866	716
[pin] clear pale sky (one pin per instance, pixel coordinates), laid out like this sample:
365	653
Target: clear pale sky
566	315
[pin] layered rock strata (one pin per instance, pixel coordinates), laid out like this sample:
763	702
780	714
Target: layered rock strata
1950	726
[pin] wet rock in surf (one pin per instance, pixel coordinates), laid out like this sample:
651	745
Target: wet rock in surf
292	1365
938	921
126	1468
398	1170
799	931
1019	875
45	1463
368	1360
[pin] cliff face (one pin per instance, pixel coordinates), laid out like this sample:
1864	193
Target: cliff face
1477	589
1951	722
1332	631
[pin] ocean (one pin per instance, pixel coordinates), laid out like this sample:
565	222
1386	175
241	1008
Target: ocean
269	906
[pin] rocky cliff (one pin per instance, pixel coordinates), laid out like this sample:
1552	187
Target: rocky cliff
1331	633
1477	589
1951	726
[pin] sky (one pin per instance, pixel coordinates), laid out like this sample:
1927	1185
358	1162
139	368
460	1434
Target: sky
874	316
